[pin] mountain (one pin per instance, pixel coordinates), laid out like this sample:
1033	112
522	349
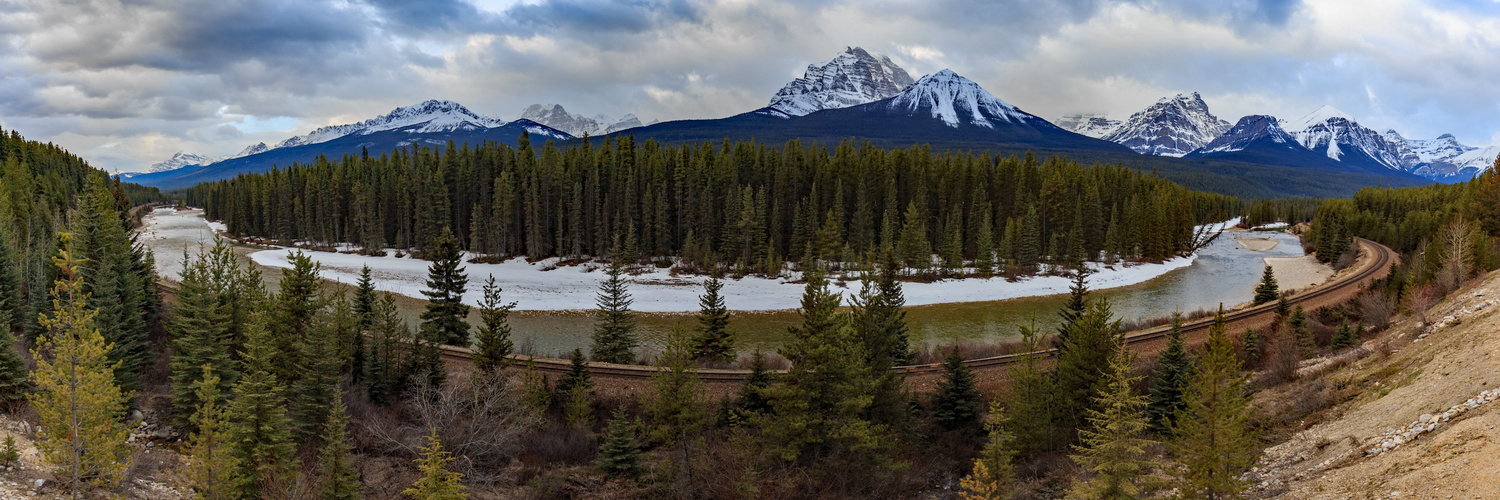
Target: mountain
1338	136
553	115
853	77
943	110
1258	132
1089	124
179	160
430	123
1174	126
1443	159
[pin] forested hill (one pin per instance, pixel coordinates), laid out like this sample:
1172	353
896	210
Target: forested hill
743	203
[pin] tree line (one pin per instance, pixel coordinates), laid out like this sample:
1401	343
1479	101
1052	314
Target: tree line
741	205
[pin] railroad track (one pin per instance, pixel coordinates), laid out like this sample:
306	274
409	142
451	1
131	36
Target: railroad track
1378	264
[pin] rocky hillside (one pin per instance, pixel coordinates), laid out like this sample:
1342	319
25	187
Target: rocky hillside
1415	417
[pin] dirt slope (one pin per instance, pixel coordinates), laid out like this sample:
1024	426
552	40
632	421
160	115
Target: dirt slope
1420	423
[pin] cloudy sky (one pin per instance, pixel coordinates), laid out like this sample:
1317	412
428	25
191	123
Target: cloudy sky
126	84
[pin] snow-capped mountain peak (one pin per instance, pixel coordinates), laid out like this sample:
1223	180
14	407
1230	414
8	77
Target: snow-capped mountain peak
1174	126
1317	117
1248	130
257	148
179	160
853	77
955	100
553	115
429	116
1089	124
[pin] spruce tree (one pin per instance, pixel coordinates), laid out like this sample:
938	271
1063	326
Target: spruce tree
1302	333
1111	448
316	387
956	403
492	344
914	247
879	328
614	332
1212	439
391	343
820	404
12	290
1344	337
620	456
200	330
1078	301
1083	364
13	373
260	434
577	375
984	261
79	407
365	301
296	304
112	283
714	342
1250	342
1029	252
437	482
1173	366
444	320
211	467
340	479
1266	291
751	399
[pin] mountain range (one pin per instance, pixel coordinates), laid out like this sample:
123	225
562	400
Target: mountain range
867	96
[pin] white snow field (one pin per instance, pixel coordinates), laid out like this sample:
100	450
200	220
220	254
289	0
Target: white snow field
655	290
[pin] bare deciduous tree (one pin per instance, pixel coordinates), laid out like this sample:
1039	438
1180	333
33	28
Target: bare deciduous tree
480	419
1456	242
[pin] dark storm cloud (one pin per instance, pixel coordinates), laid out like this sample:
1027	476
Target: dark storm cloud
432	17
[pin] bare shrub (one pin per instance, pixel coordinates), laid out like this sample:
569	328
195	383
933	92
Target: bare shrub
1456	241
1283	358
1418	301
557	443
480	419
1376	309
1347	259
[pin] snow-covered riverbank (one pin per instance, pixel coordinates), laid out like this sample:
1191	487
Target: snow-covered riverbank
657	290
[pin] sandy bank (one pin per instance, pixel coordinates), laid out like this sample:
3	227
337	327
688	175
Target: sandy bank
1258	244
1296	273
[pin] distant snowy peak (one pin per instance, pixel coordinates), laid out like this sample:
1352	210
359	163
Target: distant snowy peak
431	116
1089	124
1174	126
253	149
180	160
957	101
577	125
854	77
1249	130
1336	134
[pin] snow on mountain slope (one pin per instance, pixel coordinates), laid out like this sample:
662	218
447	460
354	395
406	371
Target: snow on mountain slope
957	100
577	125
852	78
1250	129
1089	124
1337	135
180	160
257	148
430	116
1174	126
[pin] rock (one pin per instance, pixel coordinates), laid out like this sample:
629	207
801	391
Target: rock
1424	418
40	482
137	415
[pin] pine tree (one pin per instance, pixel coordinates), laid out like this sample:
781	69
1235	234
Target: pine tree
340	479
955	405
1111	447
112	282
199	329
714	342
984	261
614	333
444	320
12	296
994	469
316	387
299	300
1344	337
578	411
79	406
492	342
914	247
390	342
437	483
577	375
211	467
1029	252
620	457
1173	365
879	327
1266	291
1032	399
260	434
674	405
1212	441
